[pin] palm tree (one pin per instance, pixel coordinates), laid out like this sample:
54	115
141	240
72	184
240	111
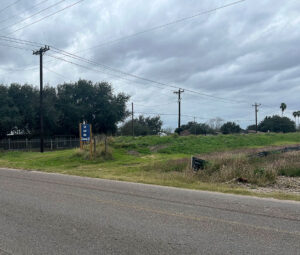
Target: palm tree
283	107
298	115
295	114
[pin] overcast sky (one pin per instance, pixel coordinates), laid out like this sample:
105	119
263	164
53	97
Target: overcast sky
248	52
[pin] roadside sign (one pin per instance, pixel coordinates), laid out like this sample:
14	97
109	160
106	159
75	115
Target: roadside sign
85	132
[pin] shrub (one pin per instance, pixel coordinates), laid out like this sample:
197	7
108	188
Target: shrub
230	128
277	124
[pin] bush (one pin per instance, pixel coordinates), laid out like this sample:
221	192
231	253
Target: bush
277	124
230	128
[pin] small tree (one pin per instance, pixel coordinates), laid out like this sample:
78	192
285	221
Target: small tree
277	124
251	127
283	107
142	126
230	128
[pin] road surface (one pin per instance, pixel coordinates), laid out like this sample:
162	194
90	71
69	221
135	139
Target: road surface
44	213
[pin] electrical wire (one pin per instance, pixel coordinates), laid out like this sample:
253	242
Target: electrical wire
47	16
155	105
15	47
162	26
183	115
2	10
67	54
96	70
17	15
34	14
58	74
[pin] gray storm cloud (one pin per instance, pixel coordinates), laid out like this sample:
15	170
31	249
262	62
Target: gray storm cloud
247	52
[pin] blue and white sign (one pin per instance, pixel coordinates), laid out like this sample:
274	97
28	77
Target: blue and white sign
85	132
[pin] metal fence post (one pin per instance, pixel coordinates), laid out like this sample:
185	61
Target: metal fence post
26	144
51	142
9	143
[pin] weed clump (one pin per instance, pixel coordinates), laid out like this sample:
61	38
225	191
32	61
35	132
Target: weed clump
227	167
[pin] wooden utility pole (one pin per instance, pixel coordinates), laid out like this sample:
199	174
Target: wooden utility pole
179	105
40	52
256	105
132	125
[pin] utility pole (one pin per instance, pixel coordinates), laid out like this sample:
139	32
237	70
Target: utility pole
132	126
40	52
179	105
256	105
195	126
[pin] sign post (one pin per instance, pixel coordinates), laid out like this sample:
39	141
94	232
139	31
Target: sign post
85	133
81	145
91	142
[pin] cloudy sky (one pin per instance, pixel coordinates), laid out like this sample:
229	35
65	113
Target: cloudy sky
232	57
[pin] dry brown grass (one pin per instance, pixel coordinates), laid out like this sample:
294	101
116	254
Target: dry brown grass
227	167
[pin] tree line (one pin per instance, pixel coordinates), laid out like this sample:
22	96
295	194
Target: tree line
269	124
69	104
64	108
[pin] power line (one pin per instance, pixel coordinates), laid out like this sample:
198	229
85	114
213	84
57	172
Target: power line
34	14
185	115
2	10
51	14
71	55
162	26
155	105
17	42
67	54
15	47
58	74
17	15
95	70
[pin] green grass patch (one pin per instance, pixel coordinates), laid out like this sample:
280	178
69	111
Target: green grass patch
166	160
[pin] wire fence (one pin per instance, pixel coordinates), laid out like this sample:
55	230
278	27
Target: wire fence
34	144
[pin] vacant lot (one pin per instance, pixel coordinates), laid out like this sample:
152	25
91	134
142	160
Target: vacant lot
166	161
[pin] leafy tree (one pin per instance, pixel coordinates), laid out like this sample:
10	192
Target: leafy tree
196	128
26	99
200	129
251	127
277	124
64	108
9	113
230	128
51	113
283	107
94	103
142	126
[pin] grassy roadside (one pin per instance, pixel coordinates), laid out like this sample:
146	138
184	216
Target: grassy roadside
153	160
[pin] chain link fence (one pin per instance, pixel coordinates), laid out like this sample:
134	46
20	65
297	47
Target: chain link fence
34	144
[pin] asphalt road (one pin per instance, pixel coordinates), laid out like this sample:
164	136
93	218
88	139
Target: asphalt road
56	214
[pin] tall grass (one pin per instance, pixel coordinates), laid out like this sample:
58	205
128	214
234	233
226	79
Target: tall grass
229	166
